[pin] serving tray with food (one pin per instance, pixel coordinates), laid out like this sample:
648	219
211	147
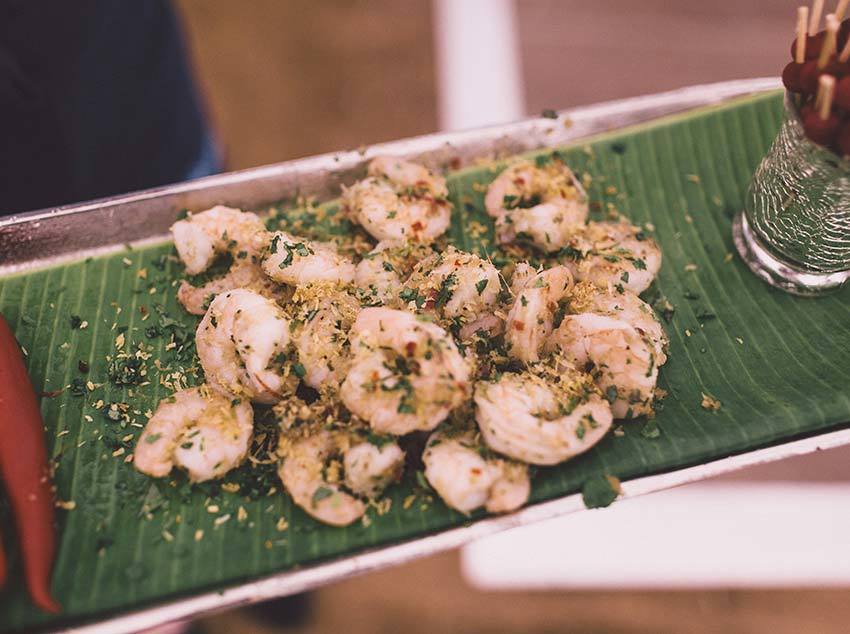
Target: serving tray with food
352	360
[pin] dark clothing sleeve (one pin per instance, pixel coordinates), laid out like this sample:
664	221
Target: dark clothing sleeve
96	98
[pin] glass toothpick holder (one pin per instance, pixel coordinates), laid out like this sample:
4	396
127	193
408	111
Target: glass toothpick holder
794	232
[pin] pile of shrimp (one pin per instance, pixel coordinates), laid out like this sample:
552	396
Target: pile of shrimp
494	369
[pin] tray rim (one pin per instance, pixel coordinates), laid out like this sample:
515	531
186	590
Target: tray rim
340	569
45	237
649	108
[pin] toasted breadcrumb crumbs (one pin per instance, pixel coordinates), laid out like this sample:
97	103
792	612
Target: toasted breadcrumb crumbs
710	403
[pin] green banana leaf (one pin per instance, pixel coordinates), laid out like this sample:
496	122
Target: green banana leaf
778	366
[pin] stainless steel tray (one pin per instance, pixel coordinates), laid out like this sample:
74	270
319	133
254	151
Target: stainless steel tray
49	236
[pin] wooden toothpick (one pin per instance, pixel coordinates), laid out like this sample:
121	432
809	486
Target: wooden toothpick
814	21
841	9
826	90
829	42
802	27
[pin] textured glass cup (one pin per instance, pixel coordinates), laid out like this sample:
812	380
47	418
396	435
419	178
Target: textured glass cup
794	232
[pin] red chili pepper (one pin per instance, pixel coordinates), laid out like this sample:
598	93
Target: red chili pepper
24	470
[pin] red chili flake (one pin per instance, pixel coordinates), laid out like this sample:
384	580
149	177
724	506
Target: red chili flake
518	325
417	226
51	394
454	163
410	348
475	471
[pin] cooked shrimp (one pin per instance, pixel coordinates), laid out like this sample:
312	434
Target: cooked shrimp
540	204
409	175
522	273
530	319
245	273
315	469
541	418
625	360
626	306
466	477
293	260
243	344
376	275
303	473
407	373
370	468
201	237
323	315
199	430
458	286
399	200
381	271
615	254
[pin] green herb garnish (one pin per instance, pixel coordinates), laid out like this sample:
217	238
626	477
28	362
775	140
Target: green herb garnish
320	494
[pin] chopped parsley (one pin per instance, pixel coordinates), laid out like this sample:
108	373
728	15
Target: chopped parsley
444	294
412	295
408	294
650	430
377	440
481	285
320	494
406	406
78	387
521	202
126	371
571	253
291	248
600	491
